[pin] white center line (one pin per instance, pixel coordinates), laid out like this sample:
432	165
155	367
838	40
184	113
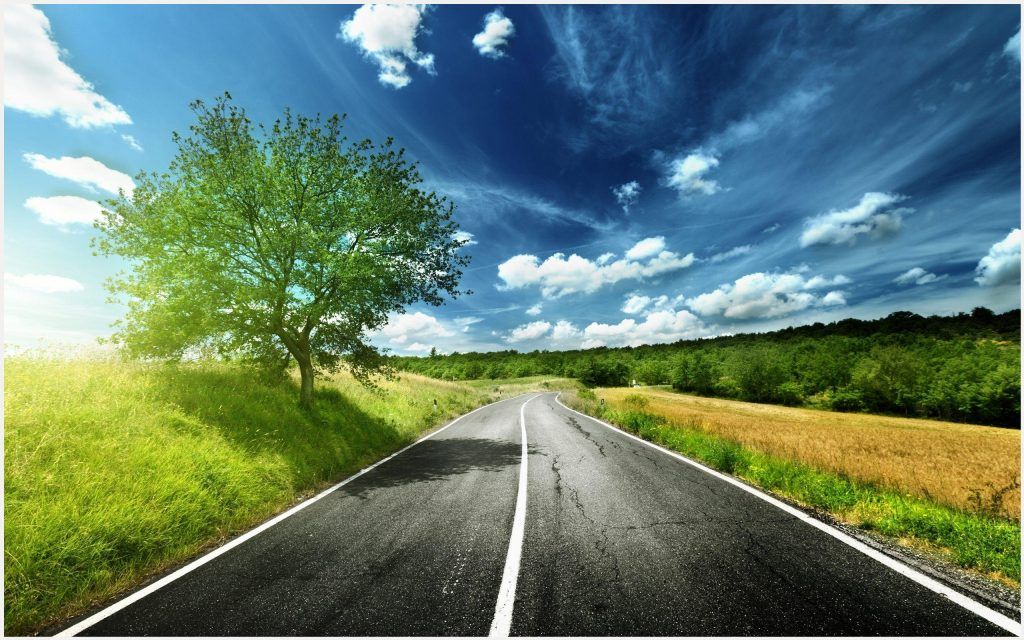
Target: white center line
507	593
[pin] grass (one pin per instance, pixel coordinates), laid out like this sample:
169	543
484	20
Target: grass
114	470
974	539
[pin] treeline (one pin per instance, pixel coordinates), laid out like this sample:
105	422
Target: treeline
964	367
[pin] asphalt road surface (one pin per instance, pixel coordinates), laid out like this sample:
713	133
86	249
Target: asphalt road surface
618	539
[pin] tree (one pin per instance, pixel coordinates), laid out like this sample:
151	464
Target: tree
277	243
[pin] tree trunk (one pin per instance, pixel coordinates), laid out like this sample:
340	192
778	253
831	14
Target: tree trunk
306	390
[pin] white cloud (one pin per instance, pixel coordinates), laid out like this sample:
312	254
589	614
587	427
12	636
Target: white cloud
465	237
466	322
834	298
85	171
771	229
688	175
417	346
872	215
558	276
494	38
564	331
1002	264
917	276
627	194
527	332
658	326
731	253
132	142
1012	48
646	248
386	34
767	295
37	81
535	310
64	210
400	329
636	304
43	283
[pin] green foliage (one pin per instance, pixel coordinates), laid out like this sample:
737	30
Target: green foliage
964	367
696	371
980	540
273	244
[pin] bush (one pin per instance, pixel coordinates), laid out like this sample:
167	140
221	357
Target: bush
846	400
790	394
759	374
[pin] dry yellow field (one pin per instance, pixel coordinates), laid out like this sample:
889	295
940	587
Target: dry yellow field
944	461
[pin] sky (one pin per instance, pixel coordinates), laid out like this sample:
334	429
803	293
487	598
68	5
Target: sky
624	174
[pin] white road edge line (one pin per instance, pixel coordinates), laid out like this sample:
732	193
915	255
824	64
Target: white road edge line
195	564
974	607
502	623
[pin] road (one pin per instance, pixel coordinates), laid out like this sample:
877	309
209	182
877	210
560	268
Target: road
615	538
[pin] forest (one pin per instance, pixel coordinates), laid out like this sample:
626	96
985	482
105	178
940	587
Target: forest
964	367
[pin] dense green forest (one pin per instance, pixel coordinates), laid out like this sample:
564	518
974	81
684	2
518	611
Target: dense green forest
964	367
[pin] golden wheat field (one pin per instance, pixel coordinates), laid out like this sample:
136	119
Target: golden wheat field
951	463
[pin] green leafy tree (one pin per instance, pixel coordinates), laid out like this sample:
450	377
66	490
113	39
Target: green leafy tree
274	244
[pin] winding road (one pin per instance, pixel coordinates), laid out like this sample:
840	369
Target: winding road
527	518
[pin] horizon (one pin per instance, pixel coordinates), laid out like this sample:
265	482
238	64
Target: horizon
624	175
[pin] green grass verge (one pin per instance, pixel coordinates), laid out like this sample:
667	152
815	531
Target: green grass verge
991	545
114	470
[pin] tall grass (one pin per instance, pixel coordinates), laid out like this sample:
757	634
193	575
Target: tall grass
981	541
965	466
115	469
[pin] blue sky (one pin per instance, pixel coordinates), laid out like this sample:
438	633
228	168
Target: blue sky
628	174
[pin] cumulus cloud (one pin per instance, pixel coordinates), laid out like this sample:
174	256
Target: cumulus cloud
386	34
558	276
627	194
688	175
874	215
646	248
768	295
564	331
64	210
466	238
37	81
84	171
636	303
530	331
1002	264
657	326
917	276
43	283
498	30
535	310
1012	48
403	328
731	253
